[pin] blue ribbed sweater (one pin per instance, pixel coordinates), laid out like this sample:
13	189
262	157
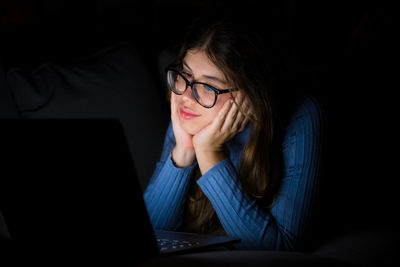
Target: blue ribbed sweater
278	228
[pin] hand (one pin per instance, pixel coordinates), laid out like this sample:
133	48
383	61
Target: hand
183	153
209	142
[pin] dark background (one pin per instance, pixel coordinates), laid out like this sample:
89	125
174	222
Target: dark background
342	52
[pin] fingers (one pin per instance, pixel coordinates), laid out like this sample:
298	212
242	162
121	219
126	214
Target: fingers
244	123
222	114
237	118
231	116
245	113
240	117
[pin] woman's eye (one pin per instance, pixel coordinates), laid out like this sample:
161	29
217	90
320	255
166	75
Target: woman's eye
208	89
187	75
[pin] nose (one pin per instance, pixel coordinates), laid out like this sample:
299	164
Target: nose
188	95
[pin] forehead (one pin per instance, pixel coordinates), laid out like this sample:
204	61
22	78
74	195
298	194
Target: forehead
201	65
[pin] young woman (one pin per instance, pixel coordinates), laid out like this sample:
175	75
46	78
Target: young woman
227	167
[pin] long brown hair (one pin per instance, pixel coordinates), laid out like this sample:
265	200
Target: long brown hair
237	52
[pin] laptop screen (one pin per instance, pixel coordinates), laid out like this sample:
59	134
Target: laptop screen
69	186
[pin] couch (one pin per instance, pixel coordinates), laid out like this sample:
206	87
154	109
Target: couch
115	83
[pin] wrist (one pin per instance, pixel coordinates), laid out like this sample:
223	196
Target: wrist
209	151
182	158
207	159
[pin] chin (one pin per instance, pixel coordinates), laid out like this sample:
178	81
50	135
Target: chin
191	128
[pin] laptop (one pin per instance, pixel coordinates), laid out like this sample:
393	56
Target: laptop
69	190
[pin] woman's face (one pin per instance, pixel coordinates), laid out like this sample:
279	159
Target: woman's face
198	67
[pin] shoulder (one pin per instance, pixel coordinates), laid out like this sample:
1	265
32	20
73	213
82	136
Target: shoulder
304	133
307	112
309	106
303	140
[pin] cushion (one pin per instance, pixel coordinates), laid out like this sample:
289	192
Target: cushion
113	83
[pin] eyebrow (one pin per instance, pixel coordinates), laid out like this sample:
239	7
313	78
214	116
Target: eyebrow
207	76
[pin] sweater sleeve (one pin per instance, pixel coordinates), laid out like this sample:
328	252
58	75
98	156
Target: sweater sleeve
280	227
166	192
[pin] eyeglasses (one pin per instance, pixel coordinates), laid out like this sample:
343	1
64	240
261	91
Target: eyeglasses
206	95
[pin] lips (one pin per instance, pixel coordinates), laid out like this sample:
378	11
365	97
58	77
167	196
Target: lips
186	113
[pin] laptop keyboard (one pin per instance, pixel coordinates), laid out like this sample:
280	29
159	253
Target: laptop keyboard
165	244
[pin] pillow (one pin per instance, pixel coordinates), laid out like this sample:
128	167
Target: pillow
113	83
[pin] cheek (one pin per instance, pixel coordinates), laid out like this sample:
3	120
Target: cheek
207	117
210	116
220	103
212	113
194	126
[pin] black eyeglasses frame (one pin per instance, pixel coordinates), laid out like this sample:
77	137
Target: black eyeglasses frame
191	85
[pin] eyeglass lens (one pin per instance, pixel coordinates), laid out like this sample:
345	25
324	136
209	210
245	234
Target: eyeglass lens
204	95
